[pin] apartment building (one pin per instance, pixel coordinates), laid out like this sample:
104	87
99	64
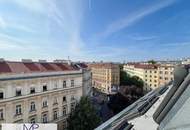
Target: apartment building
105	76
165	73
153	75
43	92
185	61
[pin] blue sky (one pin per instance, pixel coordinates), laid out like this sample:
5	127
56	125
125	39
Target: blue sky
94	30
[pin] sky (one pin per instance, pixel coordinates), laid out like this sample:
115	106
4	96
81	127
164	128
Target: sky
94	30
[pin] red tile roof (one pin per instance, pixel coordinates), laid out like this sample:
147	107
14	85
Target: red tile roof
23	67
4	68
32	66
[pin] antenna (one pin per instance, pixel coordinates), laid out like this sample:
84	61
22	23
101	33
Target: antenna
68	58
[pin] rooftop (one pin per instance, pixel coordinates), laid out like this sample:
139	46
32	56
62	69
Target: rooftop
28	66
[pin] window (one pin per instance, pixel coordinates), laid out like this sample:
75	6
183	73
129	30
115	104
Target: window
55	114
64	84
64	124
160	72
1	95
44	118
160	77
166	78
32	90
44	104
55	87
1	114
33	120
166	72
32	106
72	107
18	92
64	99
44	88
73	98
55	101
72	83
65	110
18	110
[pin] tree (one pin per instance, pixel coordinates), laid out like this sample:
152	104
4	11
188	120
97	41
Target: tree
137	81
152	62
126	79
84	117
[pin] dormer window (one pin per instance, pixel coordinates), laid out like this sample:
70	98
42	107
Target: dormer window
32	90
18	92
44	88
1	95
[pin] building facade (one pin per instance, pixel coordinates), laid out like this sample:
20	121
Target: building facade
105	76
40	92
153	75
87	79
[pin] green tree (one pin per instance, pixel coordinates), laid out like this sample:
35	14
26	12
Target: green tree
84	117
137	81
152	62
126	79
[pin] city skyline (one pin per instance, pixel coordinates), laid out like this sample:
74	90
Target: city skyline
97	30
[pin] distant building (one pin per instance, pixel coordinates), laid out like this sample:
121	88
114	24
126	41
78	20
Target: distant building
105	76
153	75
43	92
186	61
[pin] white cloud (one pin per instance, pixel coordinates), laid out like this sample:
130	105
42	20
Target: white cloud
8	45
135	17
32	5
2	23
69	15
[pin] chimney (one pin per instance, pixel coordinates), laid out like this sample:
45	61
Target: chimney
26	60
60	61
69	61
2	60
42	61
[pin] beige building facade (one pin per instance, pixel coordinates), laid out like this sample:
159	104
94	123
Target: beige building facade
153	75
39	92
105	76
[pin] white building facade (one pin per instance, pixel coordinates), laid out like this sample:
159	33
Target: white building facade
43	97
